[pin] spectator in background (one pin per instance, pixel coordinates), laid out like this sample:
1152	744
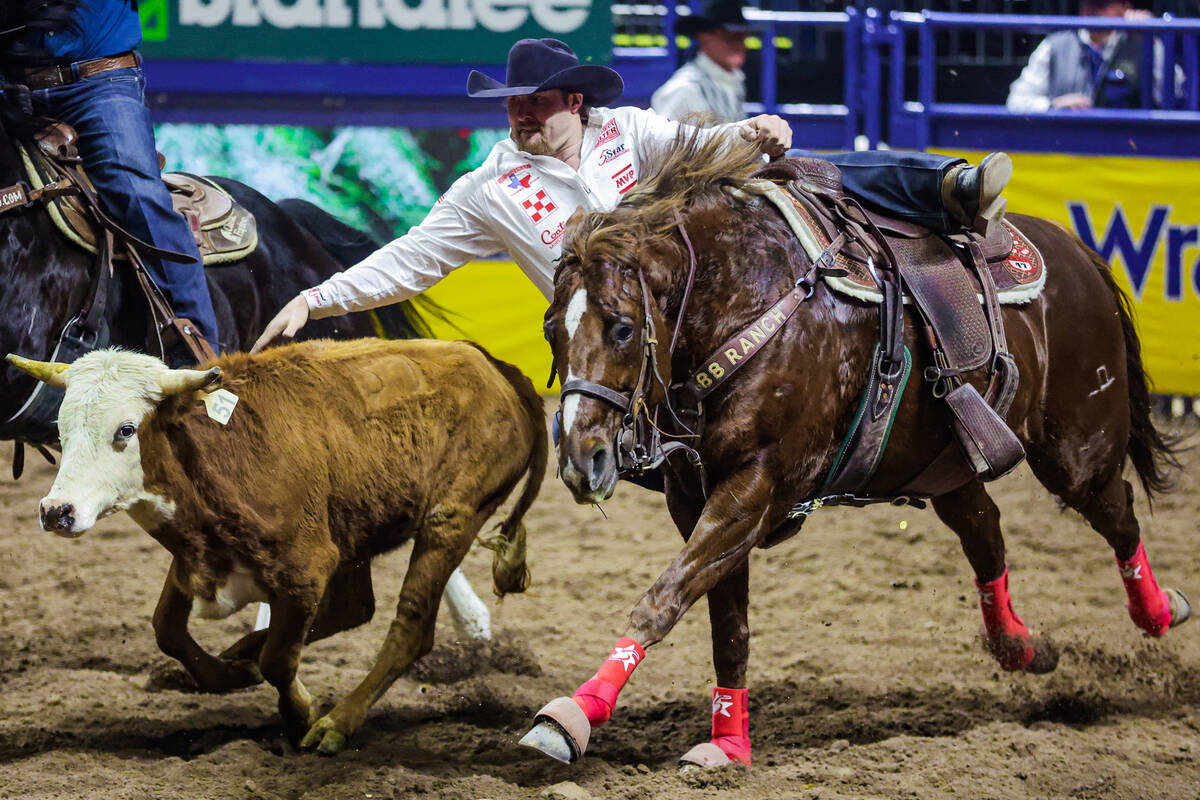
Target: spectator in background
1089	67
713	81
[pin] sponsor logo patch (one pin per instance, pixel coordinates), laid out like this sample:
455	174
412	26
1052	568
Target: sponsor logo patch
609	132
514	181
609	153
627	656
721	705
625	179
539	205
549	237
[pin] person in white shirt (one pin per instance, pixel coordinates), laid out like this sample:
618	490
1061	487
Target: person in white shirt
712	82
565	150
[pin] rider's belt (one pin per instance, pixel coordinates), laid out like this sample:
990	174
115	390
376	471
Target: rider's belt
63	74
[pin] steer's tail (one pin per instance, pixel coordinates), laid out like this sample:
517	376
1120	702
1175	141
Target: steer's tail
509	573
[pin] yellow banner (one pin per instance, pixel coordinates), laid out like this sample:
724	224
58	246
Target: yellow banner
1142	214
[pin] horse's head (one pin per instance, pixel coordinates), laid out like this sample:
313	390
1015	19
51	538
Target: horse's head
610	341
613	320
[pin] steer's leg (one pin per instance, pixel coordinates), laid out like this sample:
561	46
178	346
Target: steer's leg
735	518
171	631
349	601
970	513
437	551
280	659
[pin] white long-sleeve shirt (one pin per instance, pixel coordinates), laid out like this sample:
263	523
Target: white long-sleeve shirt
513	202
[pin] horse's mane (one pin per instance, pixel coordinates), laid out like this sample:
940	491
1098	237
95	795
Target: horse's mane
21	19
693	170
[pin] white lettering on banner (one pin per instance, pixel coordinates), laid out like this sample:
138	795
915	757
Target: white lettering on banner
497	16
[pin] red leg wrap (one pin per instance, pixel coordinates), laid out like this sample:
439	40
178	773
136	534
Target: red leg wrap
1149	607
1007	637
598	696
731	723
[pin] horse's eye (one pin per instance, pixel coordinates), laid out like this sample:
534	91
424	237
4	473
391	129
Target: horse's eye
127	431
623	332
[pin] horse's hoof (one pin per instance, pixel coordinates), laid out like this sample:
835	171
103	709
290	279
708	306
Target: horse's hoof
560	730
705	755
1181	609
332	743
1045	657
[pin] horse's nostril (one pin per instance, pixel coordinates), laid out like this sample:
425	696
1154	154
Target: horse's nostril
601	458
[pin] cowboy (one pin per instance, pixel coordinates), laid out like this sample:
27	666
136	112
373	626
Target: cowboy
566	150
713	81
87	73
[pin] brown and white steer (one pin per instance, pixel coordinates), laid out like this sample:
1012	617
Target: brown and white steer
335	452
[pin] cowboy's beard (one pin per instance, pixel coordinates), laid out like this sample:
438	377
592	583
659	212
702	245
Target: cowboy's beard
535	147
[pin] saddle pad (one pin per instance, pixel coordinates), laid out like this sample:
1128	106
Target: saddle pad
1019	276
224	230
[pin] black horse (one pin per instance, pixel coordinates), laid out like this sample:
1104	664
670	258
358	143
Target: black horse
45	280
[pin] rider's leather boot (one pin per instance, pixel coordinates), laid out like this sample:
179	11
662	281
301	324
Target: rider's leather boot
972	195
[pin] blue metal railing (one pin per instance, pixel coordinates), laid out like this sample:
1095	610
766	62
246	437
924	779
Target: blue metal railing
1172	129
875	97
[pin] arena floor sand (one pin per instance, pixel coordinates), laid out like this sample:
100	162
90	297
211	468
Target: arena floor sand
868	679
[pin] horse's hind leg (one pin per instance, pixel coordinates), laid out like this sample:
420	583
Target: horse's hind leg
1110	511
971	514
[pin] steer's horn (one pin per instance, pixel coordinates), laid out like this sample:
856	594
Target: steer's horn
50	372
184	380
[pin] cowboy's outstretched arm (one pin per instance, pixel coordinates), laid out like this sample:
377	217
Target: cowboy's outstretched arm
771	133
285	324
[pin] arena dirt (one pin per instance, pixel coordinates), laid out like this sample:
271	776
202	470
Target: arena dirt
867	676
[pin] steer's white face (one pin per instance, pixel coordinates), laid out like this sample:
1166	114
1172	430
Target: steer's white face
108	394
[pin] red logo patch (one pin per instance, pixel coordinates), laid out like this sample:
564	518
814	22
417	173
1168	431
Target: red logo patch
1024	262
609	132
539	205
625	179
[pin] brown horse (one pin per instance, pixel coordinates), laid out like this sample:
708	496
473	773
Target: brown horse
689	236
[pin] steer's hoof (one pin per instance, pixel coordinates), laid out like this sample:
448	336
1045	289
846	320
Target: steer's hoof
560	730
323	736
1181	609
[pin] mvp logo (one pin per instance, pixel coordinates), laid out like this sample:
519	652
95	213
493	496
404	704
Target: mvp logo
497	16
1137	253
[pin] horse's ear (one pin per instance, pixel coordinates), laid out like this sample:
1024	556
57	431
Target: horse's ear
51	372
577	217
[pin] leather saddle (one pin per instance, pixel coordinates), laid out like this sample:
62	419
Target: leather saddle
956	283
224	230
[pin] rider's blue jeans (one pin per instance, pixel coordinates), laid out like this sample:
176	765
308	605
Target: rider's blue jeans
904	185
116	141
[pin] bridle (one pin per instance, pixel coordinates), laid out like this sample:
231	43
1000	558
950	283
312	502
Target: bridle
639	444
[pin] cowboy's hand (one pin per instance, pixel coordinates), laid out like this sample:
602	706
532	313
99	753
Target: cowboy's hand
772	134
287	322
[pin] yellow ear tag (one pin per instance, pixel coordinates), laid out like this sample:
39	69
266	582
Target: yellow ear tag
220	404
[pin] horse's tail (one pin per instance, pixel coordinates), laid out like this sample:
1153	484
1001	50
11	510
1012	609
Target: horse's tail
509	573
348	246
1153	453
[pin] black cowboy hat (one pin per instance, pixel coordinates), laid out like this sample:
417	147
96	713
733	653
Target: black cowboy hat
535	65
714	15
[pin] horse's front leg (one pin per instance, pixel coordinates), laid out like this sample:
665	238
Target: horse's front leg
734	520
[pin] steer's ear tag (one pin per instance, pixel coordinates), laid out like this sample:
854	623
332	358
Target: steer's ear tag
220	405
